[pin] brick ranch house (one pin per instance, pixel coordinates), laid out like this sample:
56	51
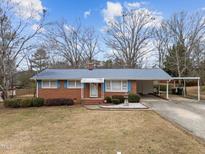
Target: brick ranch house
92	86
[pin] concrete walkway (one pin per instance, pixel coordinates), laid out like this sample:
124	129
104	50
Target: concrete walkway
125	106
188	113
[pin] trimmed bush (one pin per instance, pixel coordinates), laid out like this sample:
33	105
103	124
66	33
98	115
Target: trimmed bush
120	97
25	103
116	101
108	99
37	102
133	98
59	101
13	103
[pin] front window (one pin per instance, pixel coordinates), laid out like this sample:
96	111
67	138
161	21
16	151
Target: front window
74	84
124	85
49	84
71	84
53	84
108	87
117	86
78	84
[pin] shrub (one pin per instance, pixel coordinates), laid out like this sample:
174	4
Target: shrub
59	101
28	102
25	102
37	102
108	99
120	97
13	103
116	101
133	98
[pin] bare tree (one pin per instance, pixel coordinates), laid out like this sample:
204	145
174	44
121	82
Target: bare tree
90	45
75	44
66	41
161	43
15	38
129	37
198	61
185	34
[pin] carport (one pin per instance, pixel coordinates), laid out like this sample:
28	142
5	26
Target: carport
184	79
149	85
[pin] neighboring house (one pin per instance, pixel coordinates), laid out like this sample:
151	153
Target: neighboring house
92	86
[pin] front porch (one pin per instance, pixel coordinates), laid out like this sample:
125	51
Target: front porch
92	90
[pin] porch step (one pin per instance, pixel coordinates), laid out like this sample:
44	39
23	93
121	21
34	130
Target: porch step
93	101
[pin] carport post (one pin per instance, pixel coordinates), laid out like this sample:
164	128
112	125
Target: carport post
167	91
198	90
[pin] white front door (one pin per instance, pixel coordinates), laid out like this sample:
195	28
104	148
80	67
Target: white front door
93	90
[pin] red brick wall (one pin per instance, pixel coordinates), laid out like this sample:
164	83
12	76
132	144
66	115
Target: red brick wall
76	93
60	92
134	86
114	93
86	90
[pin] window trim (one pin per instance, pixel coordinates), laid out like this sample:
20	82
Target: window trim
75	87
121	88
49	84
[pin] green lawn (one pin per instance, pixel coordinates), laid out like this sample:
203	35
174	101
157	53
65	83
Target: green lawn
77	130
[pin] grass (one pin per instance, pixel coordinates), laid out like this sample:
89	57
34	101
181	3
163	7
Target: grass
77	130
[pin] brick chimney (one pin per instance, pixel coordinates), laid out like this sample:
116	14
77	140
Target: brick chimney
90	66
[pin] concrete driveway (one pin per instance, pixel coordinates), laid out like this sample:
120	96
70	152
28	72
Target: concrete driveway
188	113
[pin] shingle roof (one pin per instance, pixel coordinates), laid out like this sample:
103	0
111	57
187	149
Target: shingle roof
132	74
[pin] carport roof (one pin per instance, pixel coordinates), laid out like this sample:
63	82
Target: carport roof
114	74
